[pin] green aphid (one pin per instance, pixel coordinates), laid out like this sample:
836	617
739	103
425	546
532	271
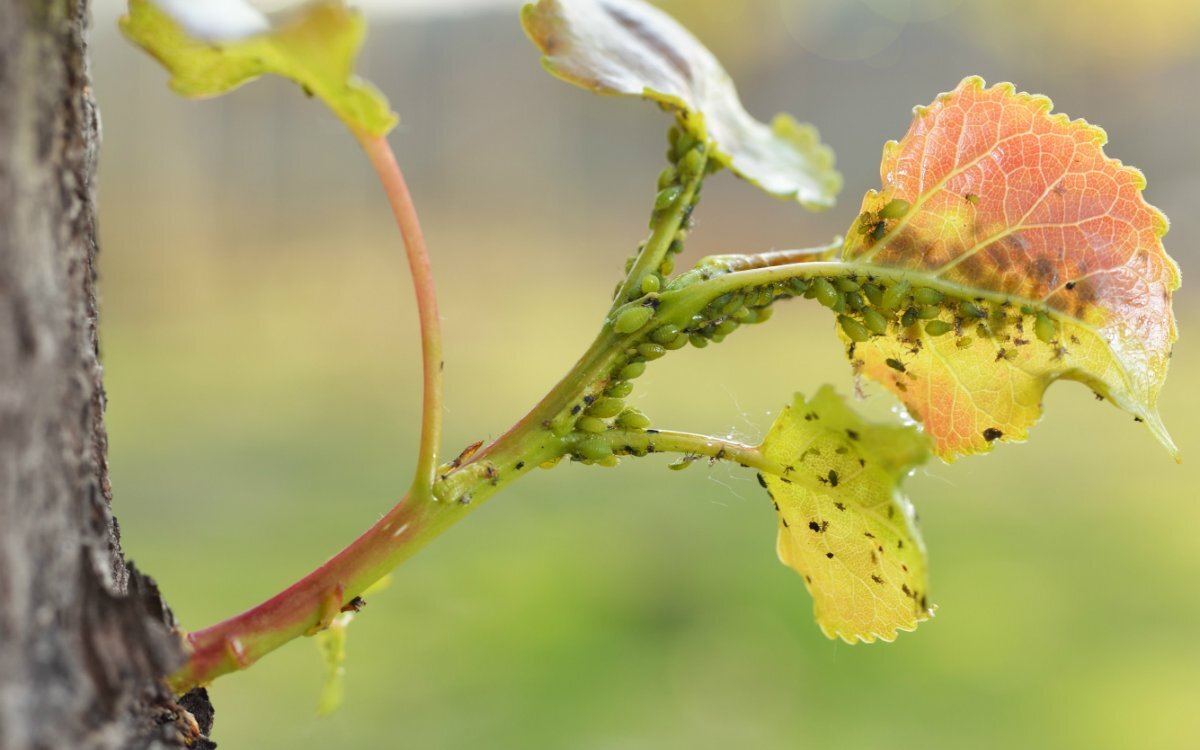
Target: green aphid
609	462
591	424
676	246
650	283
938	327
667	178
894	209
846	284
593	448
1044	328
873	294
894	297
632	419
798	285
825	293
605	407
854	301
853	329
697	340
678	342
964	341
667	266
651	351
693	162
667	197
681	463
926	296
726	327
983	331
971	310
632	318
665	334
766	296
619	389
632	371
1027	310
895	364
928	312
909	317
734	304
879	231
742	314
763	314
874	322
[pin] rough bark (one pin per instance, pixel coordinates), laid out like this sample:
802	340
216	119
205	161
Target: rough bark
84	638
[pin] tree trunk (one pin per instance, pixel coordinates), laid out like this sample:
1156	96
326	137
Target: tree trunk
84	638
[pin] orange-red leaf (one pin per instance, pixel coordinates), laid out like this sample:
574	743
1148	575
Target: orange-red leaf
1019	213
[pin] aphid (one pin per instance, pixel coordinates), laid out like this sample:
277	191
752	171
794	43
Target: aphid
938	327
726	327
619	389
926	296
992	434
666	177
846	284
651	351
666	197
873	293
964	342
735	303
466	453
853	329
833	478
825	293
876	578
633	419
854	301
893	298
798	285
591	424
1044	328
520	465
632	370
762	315
909	318
606	407
971	310
693	162
650	283
840	506
874	322
678	342
632	318
895	364
894	209
697	340
682	463
762	482
593	448
928	312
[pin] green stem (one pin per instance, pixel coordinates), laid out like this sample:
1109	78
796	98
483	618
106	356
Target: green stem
664	230
396	189
640	442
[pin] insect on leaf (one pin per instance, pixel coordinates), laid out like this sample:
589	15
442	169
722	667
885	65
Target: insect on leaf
629	48
843	523
214	47
1050	260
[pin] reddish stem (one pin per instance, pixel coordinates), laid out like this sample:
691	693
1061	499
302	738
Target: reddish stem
384	162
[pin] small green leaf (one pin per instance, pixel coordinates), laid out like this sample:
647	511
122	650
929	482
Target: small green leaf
629	48
843	523
315	46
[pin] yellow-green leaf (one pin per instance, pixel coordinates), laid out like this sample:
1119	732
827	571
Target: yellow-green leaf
630	48
1018	216
314	45
843	523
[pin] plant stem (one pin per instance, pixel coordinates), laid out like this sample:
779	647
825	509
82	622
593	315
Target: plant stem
384	161
690	444
664	229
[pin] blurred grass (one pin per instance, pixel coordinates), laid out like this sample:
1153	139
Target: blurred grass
260	352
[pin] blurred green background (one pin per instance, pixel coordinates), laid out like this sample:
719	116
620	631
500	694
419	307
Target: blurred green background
260	348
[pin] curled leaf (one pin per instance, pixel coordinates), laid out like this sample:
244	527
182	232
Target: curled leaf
843	523
214	47
629	48
1037	258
